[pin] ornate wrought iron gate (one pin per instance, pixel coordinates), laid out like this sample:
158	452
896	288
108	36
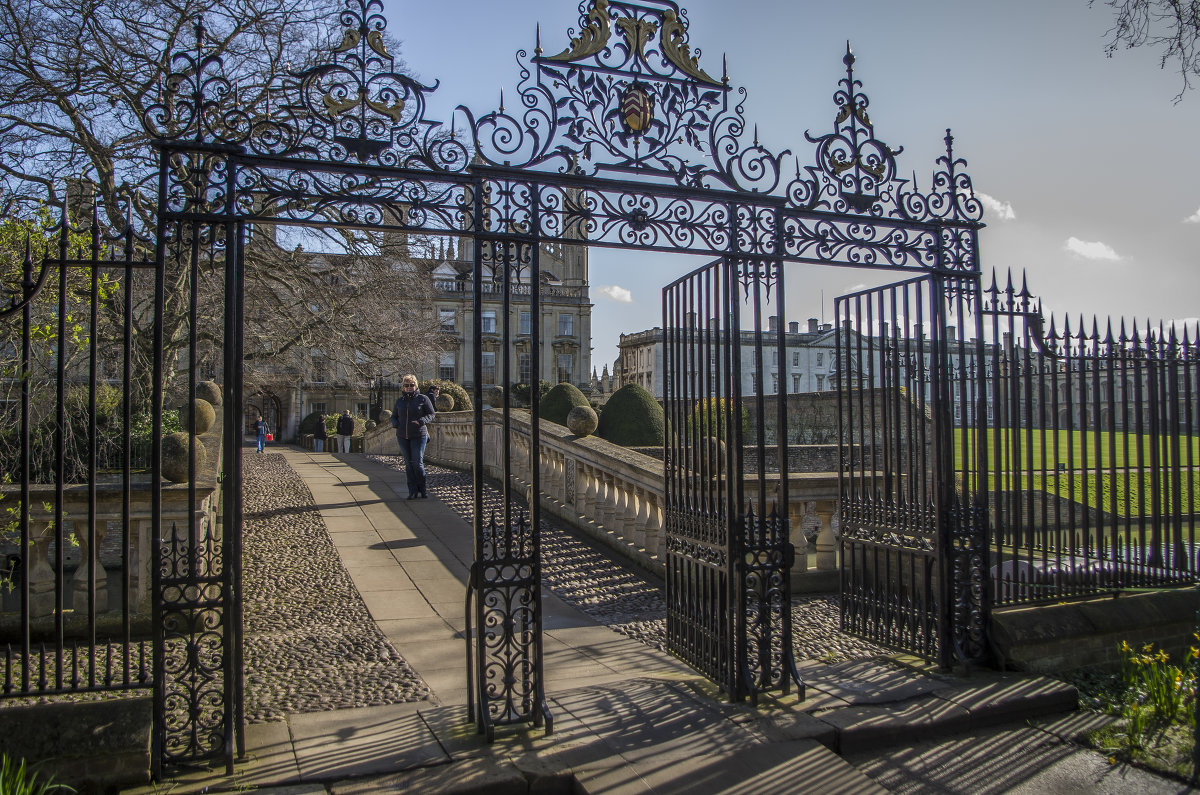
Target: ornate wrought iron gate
729	554
621	140
913	511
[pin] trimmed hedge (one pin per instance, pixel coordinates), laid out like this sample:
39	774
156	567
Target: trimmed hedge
632	418
559	401
462	401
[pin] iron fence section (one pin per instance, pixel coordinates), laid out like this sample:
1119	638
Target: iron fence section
1094	467
75	452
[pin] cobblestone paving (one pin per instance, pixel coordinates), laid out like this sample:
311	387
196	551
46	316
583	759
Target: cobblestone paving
310	643
627	600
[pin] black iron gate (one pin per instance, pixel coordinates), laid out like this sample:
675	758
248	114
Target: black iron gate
621	140
728	547
913	515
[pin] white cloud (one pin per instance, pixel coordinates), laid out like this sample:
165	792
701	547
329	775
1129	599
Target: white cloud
1090	250
1194	218
614	293
996	208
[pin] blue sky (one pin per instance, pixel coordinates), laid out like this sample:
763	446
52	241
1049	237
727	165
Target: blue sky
1088	167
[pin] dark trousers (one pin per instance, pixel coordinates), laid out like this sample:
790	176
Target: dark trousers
413	451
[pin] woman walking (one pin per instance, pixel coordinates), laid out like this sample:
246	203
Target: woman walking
411	413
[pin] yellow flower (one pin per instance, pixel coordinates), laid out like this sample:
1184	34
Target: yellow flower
1124	647
1163	656
1148	648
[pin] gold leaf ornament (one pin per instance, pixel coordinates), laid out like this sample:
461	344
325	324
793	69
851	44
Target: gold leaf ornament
677	51
593	38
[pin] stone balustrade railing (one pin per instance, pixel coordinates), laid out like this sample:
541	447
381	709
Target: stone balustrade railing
613	494
180	518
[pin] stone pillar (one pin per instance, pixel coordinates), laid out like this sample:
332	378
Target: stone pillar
826	539
90	557
653	523
629	522
642	519
41	576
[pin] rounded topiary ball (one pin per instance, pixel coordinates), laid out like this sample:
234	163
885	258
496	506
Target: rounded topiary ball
495	397
559	401
632	418
462	401
444	402
385	417
370	425
582	420
210	391
206	415
175	456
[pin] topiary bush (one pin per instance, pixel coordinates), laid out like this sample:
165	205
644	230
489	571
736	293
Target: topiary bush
632	418
521	392
462	401
559	401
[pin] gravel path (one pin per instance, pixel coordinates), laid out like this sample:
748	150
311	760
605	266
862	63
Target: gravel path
310	644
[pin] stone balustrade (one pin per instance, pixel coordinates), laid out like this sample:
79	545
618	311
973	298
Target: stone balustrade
613	494
84	562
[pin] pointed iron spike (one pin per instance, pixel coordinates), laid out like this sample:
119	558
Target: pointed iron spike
914	182
994	288
1010	289
848	59
1108	334
1095	327
725	69
756	135
949	139
501	100
1053	330
1025	284
1124	337
537	50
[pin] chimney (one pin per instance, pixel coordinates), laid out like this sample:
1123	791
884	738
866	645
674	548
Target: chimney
773	323
812	325
794	327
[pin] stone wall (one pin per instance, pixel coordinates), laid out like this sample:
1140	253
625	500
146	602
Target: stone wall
1064	637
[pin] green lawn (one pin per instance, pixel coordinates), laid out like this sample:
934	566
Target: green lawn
1031	461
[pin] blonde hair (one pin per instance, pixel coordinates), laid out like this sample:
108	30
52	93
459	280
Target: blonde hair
408	379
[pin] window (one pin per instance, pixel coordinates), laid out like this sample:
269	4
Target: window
318	369
526	324
796	359
487	323
566	364
774	383
795	383
446	367
360	409
320	408
525	364
446	319
566	325
489	368
820	360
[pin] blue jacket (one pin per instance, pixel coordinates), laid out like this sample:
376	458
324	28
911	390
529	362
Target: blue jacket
408	410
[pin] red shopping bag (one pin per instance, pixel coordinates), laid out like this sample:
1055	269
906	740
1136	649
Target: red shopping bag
270	437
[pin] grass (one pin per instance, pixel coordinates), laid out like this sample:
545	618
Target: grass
1109	478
